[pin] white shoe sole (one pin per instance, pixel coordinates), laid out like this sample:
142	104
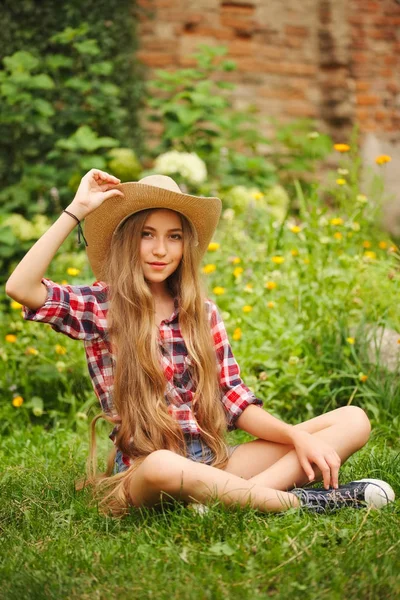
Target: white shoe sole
379	493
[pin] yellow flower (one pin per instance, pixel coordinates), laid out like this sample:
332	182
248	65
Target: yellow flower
362	377
341	181
11	338
15	304
341	147
393	248
337	235
271	285
295	229
247	308
350	340
306	261
270	304
218	291
355	226
362	198
366	244
212	246
369	255
382	159
248	287
64	282
18	401
257	195
383	245
236	260
278	260
237	334
72	271
337	221
60	349
31	350
209	269
238	271
294	252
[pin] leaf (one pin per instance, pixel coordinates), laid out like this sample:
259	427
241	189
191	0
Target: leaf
221	549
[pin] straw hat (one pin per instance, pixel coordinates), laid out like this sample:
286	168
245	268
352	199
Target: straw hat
153	191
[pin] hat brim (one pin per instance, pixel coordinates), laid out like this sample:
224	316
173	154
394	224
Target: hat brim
100	225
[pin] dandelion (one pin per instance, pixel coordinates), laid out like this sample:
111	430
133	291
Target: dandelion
11	338
236	260
213	246
362	377
341	147
257	195
15	304
209	269
64	282
341	181
31	350
337	235
306	261
238	271
72	271
247	308
278	260
237	334
370	255
60	349
393	249
382	245
350	340
271	304
271	285
382	159
218	291
337	221
17	401
248	287
366	244
294	252
295	229
362	198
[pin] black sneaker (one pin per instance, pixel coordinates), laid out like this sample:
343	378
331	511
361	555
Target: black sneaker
356	494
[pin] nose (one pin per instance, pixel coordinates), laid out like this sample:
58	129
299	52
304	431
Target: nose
159	248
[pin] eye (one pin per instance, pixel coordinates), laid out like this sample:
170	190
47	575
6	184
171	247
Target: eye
176	236
144	233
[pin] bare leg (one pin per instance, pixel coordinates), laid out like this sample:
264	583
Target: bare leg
184	479
276	465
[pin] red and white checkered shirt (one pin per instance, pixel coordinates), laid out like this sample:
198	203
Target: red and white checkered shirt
80	312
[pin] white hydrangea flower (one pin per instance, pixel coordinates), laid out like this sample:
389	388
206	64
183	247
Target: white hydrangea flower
188	164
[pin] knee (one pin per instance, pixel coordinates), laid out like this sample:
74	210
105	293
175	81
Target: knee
359	422
160	469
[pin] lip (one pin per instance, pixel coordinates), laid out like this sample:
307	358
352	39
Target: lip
158	266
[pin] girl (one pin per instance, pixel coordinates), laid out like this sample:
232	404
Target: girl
162	367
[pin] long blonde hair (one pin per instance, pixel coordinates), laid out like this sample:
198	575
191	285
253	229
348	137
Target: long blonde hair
139	394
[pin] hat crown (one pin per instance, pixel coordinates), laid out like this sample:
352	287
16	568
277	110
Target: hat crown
161	181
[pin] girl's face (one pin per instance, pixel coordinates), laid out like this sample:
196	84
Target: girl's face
161	246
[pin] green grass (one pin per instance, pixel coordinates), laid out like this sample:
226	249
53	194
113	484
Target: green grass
56	545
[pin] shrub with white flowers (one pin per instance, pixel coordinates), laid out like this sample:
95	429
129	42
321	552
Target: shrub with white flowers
187	164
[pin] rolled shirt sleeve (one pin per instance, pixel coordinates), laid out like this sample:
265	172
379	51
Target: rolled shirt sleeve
236	396
72	310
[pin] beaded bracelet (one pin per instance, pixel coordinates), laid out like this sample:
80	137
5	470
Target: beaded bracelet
80	232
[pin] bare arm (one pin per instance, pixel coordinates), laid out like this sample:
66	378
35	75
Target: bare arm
24	285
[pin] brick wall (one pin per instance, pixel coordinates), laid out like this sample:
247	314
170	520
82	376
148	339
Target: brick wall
335	60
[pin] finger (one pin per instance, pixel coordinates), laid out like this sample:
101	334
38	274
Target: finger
97	174
112	194
325	471
306	465
334	464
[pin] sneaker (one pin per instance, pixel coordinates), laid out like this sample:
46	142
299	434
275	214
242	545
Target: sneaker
356	494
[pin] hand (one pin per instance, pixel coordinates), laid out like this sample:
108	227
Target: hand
95	187
311	449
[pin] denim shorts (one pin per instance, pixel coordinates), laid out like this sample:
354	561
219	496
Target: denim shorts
196	450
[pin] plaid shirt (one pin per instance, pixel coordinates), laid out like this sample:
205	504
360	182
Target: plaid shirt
80	312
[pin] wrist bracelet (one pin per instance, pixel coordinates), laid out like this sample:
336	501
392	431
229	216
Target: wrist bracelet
80	232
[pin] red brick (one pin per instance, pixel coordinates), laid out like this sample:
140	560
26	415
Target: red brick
300	109
362	86
210	32
156	59
367	100
360	57
241	48
380	115
297	31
